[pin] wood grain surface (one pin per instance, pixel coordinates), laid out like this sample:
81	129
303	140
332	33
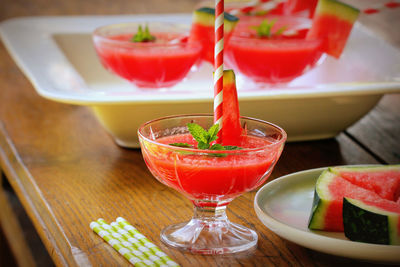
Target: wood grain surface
67	171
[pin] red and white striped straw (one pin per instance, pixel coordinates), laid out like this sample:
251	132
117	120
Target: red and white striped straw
219	64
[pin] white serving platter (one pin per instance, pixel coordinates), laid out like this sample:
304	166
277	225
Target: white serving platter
284	206
58	57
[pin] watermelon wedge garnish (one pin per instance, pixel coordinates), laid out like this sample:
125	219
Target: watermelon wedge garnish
203	29
231	129
333	22
377	185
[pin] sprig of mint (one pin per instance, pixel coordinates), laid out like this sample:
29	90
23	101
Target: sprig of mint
265	29
143	36
204	138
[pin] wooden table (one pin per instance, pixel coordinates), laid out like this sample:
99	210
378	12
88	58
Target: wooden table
67	171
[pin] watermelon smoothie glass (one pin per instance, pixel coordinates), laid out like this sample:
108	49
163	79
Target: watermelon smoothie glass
154	64
211	179
277	59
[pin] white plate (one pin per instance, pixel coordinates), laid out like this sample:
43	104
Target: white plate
284	206
57	55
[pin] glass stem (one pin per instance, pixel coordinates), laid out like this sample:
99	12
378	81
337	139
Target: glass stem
210	232
210	214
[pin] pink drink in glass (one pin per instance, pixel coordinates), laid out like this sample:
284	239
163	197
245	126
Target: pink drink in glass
158	64
277	59
213	178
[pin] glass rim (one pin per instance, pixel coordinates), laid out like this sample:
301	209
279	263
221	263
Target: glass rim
182	31
208	151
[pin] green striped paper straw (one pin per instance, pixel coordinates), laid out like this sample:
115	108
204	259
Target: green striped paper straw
134	245
116	244
127	244
137	235
146	251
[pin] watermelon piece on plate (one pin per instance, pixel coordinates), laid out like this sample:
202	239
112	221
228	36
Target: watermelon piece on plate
331	188
203	29
231	129
383	180
333	22
363	221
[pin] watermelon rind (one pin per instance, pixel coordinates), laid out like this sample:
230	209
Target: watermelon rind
229	77
321	201
367	223
337	9
206	16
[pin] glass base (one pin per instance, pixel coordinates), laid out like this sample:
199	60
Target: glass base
210	237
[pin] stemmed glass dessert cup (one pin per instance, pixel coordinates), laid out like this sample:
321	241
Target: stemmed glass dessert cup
211	179
153	64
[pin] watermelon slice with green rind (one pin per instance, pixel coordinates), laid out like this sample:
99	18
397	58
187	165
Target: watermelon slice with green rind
331	188
333	22
364	222
202	30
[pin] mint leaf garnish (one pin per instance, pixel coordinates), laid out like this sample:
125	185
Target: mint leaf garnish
198	133
265	29
202	145
204	139
212	133
221	147
143	36
181	145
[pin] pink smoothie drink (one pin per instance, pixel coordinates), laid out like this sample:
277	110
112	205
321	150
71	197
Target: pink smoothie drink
160	63
275	59
217	176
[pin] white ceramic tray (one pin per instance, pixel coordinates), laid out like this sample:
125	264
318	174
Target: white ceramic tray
284	206
57	56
